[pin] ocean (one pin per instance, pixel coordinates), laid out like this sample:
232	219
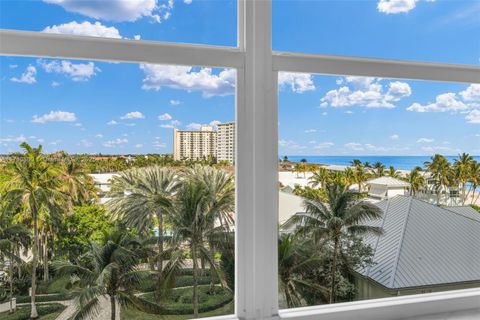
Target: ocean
398	162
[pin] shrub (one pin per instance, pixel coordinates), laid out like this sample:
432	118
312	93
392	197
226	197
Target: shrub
475	207
23	313
179	302
149	283
47	298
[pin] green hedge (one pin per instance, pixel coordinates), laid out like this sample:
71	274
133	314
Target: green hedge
149	283
56	285
179	302
23	313
47	298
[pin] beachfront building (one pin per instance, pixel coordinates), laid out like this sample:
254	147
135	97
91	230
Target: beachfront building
386	187
226	142
194	144
422	243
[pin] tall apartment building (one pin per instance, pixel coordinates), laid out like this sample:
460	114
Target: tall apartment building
194	144
205	143
226	142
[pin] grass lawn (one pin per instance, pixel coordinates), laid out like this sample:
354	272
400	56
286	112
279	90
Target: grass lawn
132	314
46	312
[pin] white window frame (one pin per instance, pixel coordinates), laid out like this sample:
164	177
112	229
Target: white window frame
256	290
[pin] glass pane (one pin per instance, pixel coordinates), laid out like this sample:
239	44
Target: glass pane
438	31
189	21
379	192
124	161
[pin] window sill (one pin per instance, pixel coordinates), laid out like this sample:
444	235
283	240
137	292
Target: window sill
391	308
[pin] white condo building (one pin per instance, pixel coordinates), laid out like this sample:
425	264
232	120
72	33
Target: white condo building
194	144
226	142
205	143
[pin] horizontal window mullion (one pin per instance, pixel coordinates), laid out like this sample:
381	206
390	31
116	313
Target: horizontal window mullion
37	44
339	65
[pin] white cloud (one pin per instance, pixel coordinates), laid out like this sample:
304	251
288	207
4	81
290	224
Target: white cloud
112	122
187	1
115	142
354	146
194	126
171	125
175	102
298	82
55	84
85	143
75	71
473	116
139	145
133	115
394	137
472	93
99	135
397	6
20	138
55	116
85	28
186	78
165	117
425	140
28	76
443	102
119	10
290	144
214	124
324	145
55	142
310	130
365	92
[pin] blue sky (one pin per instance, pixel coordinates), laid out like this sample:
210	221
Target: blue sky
90	106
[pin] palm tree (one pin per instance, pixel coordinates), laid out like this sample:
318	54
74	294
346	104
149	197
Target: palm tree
193	225
474	179
392	172
343	215
77	183
108	269
13	237
138	197
300	167
320	178
294	261
360	176
416	180
462	167
220	202
379	169
440	170
356	163
35	186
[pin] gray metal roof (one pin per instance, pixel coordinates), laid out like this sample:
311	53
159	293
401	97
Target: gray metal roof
387	181
424	245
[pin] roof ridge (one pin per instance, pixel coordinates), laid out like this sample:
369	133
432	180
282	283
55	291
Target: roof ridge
461	215
395	267
378	236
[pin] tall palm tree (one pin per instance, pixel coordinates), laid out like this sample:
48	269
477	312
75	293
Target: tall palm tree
441	172
77	183
193	225
462	167
294	261
356	163
138	197
320	178
343	215
13	237
379	169
474	180
360	176
416	180
220	202
392	172
35	186
108	269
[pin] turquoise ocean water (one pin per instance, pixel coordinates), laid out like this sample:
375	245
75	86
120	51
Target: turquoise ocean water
399	162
